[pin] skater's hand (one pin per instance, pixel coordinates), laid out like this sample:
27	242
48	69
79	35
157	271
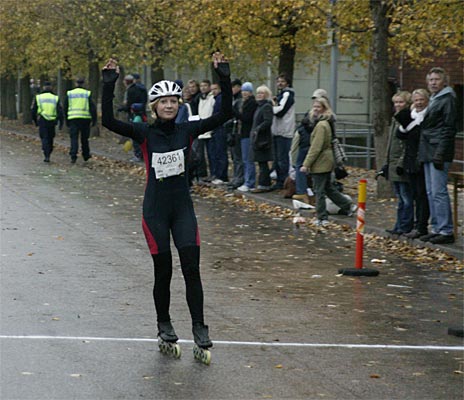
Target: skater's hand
110	71
399	170
304	170
221	65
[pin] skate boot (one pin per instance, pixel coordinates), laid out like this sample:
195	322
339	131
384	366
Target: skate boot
202	343
167	339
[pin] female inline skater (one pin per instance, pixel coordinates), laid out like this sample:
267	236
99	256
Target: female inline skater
167	205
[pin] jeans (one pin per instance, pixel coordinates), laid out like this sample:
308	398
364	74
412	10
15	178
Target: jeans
281	147
323	186
249	166
301	179
405	209
439	202
239	168
219	157
83	126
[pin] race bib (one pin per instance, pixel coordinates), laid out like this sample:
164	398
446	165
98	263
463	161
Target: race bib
168	164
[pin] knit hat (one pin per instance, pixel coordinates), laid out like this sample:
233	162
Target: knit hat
237	82
319	93
180	83
247	87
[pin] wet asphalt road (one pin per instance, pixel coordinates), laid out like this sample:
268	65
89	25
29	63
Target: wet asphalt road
77	318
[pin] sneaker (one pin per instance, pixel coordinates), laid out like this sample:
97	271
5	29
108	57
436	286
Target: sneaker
217	181
301	197
87	158
135	159
353	209
243	188
261	189
273	174
73	160
322	223
426	238
47	159
442	239
393	232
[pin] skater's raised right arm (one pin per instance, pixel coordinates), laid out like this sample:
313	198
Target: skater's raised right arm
110	74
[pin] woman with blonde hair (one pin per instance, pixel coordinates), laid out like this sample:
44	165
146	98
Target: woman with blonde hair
319	162
409	132
167	205
396	174
261	138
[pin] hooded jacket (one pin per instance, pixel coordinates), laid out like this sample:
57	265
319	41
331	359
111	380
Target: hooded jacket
439	129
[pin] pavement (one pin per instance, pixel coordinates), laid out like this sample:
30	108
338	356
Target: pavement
380	213
76	309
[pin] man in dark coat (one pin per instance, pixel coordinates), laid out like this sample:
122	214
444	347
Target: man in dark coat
436	151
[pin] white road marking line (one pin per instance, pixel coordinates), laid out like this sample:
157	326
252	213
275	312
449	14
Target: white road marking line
239	343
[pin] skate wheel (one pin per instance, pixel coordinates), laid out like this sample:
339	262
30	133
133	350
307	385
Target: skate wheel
176	351
202	355
169	348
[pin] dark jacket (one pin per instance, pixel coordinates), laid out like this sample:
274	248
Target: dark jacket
249	107
438	129
261	135
409	133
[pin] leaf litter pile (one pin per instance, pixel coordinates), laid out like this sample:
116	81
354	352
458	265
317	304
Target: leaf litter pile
425	256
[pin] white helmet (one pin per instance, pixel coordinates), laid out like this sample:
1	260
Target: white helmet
163	89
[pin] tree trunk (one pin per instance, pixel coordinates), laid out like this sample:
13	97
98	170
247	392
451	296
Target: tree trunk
380	93
8	96
287	59
26	99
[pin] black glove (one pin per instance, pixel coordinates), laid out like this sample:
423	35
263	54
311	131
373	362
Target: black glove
109	75
399	170
223	69
438	164
404	117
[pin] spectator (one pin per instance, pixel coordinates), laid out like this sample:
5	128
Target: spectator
320	162
194	89
46	114
436	151
218	144
247	112
409	132
133	94
233	136
261	138
395	156
80	111
283	128
205	110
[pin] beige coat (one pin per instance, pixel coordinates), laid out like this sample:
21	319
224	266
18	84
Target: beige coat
320	155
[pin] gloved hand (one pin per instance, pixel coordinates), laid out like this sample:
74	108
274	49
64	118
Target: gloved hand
438	164
400	170
109	75
221	65
404	117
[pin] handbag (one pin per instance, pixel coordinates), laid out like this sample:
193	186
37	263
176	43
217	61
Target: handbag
340	172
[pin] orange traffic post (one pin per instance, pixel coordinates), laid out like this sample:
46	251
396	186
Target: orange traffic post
358	269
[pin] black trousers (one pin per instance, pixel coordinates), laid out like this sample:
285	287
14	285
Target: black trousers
82	126
421	202
190	265
47	134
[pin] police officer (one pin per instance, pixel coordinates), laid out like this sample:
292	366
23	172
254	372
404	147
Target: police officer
80	111
46	114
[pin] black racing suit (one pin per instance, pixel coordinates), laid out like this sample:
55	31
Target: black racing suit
167	205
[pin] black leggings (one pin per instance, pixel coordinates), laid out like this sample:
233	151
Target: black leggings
190	264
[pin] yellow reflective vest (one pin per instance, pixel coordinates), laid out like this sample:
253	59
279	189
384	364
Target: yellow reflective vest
46	105
78	104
